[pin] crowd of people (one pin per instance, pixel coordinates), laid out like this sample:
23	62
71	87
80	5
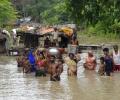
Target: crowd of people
43	63
109	62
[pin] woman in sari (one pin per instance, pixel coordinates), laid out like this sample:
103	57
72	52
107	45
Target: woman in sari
72	65
41	65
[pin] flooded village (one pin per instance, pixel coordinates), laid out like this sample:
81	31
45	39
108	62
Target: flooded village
20	85
59	50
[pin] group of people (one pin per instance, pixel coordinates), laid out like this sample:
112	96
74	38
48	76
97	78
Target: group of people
43	63
109	62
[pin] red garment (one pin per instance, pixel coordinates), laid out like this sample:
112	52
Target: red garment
91	63
41	63
116	68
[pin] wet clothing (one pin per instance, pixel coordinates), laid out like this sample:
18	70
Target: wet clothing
40	63
72	66
90	63
33	68
32	61
116	68
108	65
40	72
116	59
40	68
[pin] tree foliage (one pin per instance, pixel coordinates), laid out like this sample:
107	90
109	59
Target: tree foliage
45	11
57	14
7	12
93	12
101	15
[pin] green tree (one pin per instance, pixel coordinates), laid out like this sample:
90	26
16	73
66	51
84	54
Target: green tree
93	12
45	11
56	15
7	12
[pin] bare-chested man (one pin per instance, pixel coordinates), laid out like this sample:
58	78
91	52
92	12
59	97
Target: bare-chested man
56	68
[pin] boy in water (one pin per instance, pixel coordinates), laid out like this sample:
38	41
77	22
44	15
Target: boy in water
101	70
56	69
108	62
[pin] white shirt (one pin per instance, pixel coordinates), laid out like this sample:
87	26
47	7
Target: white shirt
14	33
55	35
116	58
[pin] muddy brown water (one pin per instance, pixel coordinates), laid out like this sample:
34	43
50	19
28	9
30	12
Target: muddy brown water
88	85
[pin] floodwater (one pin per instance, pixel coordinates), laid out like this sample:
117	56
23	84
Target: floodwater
88	85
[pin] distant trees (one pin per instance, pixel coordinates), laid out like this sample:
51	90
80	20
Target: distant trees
56	14
7	12
43	11
102	14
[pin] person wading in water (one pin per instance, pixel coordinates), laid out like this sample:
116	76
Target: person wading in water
72	65
56	69
108	62
116	58
90	61
41	65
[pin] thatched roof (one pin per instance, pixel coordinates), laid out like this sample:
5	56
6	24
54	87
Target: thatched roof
45	30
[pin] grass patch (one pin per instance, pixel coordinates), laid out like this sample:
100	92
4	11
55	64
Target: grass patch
98	38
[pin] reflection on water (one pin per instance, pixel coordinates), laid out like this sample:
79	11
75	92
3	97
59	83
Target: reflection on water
14	85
